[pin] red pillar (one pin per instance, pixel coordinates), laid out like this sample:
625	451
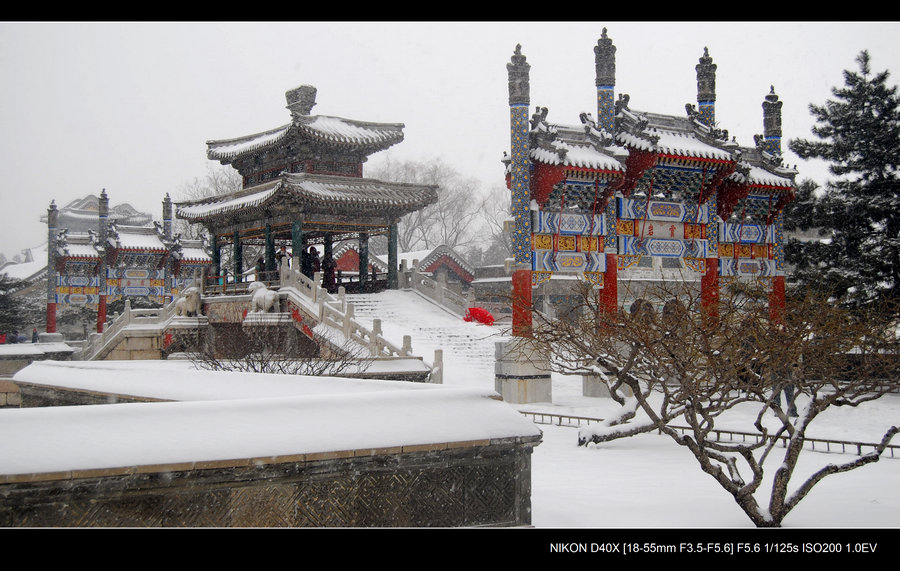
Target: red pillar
609	295
50	325
101	313
709	289
521	303
776	299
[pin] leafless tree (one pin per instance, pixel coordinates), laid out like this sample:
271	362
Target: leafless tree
670	362
219	179
455	220
276	349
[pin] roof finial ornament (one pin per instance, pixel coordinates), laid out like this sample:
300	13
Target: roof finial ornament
605	61
301	100
518	69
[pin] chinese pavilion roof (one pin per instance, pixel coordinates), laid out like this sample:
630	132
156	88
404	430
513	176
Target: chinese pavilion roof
314	193
81	214
136	239
574	146
673	136
192	251
364	137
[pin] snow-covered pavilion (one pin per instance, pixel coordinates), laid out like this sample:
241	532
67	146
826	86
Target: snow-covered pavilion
303	185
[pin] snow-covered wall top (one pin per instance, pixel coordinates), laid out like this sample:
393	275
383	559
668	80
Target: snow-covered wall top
233	416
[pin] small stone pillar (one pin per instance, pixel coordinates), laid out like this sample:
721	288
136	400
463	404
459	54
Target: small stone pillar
437	368
521	374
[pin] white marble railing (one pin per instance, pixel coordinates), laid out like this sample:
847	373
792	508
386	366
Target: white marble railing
336	313
114	327
435	290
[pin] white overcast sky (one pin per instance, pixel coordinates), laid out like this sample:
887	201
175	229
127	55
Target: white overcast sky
129	106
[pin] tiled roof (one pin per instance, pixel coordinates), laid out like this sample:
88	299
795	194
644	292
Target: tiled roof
325	191
572	146
334	130
136	238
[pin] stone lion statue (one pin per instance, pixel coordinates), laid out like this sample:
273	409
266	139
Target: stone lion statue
262	300
188	304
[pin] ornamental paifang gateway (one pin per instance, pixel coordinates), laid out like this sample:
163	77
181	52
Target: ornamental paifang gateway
640	197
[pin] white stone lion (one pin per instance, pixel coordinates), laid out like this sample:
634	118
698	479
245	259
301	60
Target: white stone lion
188	304
263	300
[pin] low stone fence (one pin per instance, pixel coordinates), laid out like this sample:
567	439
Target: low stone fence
483	483
249	450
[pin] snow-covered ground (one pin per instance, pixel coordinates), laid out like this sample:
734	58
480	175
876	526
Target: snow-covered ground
641	482
645	481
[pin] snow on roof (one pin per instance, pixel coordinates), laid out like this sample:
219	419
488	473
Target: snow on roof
30	270
763	177
353	191
230	148
674	143
322	127
325	191
342	130
576	155
193	251
79	246
237	416
237	201
138	238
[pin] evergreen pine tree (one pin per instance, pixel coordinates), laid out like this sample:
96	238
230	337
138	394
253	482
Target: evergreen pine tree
10	307
857	258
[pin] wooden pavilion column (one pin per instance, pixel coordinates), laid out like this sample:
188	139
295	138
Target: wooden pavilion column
329	280
521	303
709	291
270	254
297	252
777	300
363	258
216	257
609	295
393	281
238	258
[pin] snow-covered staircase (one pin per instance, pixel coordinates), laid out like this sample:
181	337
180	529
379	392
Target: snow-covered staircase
468	348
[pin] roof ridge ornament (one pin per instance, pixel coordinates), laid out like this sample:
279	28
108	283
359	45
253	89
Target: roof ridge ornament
518	81
301	100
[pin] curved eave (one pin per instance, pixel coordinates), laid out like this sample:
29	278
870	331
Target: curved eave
362	137
348	133
200	210
324	193
328	192
758	177
577	156
227	150
676	145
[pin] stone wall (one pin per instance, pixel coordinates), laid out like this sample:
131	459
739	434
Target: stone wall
136	346
10	396
32	395
484	483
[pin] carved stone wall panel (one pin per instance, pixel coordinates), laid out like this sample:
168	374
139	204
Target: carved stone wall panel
445	487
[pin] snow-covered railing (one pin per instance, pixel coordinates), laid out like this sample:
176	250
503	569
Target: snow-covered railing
336	313
815	444
332	310
114	328
435	290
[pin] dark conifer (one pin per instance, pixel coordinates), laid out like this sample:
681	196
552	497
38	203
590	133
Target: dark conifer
857	256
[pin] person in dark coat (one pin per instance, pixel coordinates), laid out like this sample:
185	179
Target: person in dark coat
34	335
